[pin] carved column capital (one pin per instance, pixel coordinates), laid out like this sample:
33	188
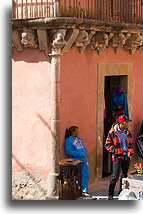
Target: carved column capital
100	41
58	41
135	41
58	38
29	38
81	38
117	41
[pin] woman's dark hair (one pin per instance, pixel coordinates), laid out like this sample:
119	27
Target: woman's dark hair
70	131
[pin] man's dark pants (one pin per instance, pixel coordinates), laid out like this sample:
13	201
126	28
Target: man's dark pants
119	165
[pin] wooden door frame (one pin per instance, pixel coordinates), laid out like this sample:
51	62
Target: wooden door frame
103	70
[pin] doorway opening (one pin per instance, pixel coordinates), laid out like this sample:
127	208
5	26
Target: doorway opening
111	83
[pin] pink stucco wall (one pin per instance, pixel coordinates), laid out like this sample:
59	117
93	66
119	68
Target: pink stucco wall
78	101
31	110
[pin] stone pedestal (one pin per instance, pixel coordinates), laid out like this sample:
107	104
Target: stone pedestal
133	183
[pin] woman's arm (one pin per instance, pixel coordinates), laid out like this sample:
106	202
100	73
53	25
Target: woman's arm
73	152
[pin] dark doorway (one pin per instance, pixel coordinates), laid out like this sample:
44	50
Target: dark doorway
110	85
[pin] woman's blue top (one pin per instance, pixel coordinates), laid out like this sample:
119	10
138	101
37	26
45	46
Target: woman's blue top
120	100
75	148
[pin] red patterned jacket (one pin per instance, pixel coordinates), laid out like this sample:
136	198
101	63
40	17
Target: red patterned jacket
113	143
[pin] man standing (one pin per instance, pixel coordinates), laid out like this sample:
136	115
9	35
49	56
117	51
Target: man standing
121	144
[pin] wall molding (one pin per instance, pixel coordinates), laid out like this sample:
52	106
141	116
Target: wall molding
66	34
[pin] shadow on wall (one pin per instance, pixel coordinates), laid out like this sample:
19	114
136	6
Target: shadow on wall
30	55
47	125
62	152
26	179
27	184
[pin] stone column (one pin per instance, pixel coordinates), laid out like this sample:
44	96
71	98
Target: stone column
57	44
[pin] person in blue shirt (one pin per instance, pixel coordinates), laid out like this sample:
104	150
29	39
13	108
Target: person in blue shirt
119	104
75	148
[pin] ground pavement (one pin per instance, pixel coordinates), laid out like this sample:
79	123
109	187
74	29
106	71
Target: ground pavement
99	190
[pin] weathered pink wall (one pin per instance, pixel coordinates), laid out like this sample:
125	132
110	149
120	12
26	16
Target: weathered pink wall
79	93
31	110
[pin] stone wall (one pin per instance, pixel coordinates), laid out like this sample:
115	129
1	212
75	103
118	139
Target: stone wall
27	185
